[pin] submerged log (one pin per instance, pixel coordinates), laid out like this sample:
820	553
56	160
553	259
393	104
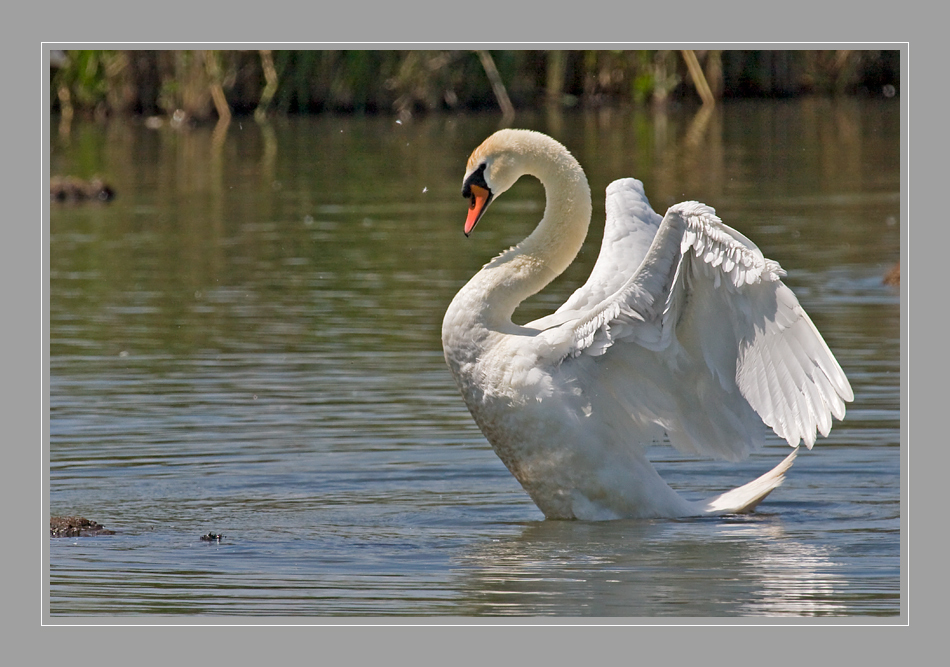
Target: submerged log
71	190
76	526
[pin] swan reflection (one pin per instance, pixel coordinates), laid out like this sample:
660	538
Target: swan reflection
737	566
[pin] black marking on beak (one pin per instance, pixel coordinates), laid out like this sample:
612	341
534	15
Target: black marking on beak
476	183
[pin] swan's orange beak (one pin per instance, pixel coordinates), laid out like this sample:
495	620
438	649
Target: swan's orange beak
479	199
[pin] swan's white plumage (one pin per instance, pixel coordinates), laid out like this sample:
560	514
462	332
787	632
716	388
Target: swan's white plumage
684	328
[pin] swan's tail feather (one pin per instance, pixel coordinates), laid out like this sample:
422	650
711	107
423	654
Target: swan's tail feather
745	498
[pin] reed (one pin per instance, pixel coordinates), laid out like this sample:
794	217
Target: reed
205	86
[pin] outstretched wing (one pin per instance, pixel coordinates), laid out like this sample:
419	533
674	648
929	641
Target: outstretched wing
628	234
702	337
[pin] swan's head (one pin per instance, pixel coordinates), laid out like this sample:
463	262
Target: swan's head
494	167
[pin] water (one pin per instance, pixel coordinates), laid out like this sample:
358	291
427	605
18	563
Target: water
246	342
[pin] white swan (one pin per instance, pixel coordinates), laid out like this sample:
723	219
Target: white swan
682	329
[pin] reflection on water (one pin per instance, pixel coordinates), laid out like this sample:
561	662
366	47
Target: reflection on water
246	341
666	568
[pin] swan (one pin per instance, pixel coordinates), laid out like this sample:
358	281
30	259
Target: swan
684	330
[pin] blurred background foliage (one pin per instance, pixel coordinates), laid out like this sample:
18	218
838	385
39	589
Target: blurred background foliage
205	85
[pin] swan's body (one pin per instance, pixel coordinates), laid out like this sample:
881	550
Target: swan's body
682	329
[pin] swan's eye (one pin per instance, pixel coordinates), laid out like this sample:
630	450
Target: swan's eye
475	181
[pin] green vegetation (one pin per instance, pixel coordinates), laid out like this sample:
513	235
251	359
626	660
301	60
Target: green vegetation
203	85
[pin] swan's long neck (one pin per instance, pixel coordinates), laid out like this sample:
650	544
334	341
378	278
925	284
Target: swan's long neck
492	296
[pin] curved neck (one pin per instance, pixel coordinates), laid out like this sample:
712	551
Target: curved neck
528	267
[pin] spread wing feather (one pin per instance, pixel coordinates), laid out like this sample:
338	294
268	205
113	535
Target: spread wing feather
693	303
